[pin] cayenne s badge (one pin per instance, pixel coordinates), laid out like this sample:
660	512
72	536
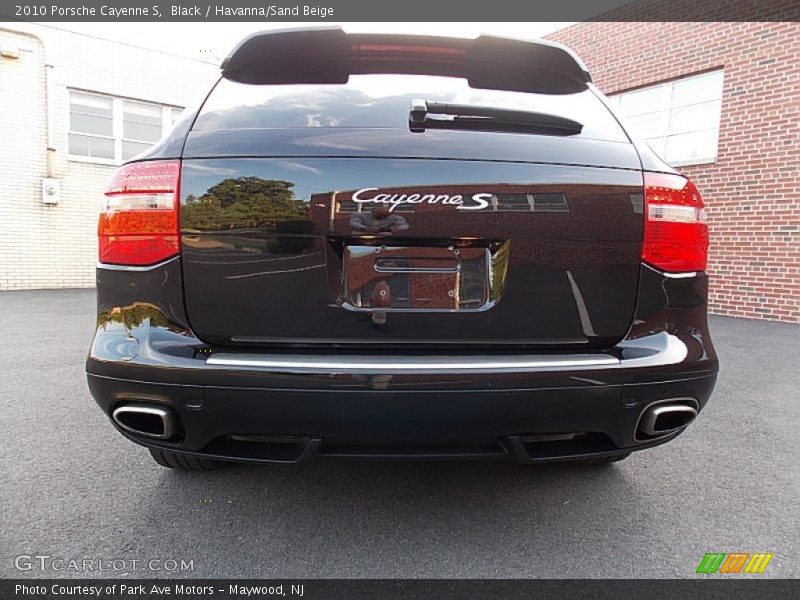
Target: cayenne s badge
475	202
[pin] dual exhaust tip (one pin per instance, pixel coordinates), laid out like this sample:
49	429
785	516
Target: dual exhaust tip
148	420
665	417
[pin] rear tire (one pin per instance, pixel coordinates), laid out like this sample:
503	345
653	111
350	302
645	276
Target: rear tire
602	460
184	462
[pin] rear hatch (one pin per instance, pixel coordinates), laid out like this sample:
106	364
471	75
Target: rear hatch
319	214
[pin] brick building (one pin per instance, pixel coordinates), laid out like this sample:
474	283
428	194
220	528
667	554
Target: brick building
73	106
721	102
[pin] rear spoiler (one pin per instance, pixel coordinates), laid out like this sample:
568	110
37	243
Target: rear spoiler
329	55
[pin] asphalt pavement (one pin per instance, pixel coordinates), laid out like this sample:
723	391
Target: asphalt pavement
74	489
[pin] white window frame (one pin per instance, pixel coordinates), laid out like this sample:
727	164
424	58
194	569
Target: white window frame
665	130
117	118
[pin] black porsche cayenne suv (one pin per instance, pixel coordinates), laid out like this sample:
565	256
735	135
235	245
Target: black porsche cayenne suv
385	246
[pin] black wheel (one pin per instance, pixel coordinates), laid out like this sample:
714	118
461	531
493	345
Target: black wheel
602	460
184	462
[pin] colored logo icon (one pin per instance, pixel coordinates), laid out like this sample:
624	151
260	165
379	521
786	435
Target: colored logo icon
734	562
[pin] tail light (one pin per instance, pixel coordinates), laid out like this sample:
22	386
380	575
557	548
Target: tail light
139	218
675	229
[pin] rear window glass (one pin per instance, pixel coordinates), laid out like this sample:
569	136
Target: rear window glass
383	101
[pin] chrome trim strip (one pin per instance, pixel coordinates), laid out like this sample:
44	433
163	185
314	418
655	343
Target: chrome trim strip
687	275
656	350
412	270
376	365
483	308
109	267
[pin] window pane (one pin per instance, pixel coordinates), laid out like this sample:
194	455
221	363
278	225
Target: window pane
131	149
93	105
90	124
700	88
381	100
647	125
141	113
513	202
101	147
687	147
695	117
642	101
175	114
347	206
85	145
78	144
141	132
550	203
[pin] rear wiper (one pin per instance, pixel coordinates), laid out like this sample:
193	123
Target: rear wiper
486	118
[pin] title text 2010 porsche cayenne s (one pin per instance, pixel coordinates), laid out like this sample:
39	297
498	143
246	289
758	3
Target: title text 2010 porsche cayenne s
387	246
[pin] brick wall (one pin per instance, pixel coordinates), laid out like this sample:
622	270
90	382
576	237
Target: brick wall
56	246
753	188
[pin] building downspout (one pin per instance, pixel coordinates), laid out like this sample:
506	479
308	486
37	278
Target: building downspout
48	128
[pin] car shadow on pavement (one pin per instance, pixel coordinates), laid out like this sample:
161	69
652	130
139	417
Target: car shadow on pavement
420	510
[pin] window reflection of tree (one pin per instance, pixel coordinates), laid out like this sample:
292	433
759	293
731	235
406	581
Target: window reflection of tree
243	203
134	316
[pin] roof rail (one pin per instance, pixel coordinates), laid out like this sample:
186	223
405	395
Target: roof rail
329	55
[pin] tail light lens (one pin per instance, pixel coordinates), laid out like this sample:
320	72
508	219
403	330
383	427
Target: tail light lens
675	229
139	218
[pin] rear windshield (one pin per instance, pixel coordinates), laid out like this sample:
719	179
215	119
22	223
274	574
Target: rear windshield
383	101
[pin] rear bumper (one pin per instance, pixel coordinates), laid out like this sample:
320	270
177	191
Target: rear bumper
216	421
288	407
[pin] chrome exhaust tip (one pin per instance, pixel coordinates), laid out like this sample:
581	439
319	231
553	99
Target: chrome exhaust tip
667	417
148	420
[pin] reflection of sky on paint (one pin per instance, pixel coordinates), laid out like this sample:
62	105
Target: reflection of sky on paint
211	42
